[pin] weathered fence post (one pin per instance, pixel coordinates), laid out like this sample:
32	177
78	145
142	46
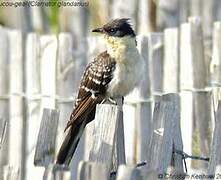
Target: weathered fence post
45	149
32	68
3	131
11	173
166	137
155	52
4	91
106	129
167	14
171	61
186	82
17	121
143	106
215	155
147	12
66	89
202	108
90	170
128	173
48	54
57	172
215	66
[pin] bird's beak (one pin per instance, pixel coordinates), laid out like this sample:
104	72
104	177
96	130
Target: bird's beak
98	30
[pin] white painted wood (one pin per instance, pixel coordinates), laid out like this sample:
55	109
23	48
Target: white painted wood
171	61
4	91
45	148
32	68
17	122
90	170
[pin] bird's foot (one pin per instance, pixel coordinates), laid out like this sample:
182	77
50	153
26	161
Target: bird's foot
109	101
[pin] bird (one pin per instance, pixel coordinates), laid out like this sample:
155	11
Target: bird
112	74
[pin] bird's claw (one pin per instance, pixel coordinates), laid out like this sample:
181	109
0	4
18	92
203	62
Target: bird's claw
109	101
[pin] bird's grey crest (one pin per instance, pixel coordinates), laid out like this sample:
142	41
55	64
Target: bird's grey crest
117	28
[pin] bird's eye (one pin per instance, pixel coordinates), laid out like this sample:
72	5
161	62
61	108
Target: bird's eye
112	30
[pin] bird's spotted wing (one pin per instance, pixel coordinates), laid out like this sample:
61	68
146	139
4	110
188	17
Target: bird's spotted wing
92	88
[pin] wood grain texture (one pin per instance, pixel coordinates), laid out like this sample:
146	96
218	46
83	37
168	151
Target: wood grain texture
215	65
155	52
33	89
11	173
17	122
128	173
48	54
45	149
186	82
202	106
166	135
143	105
4	90
3	132
105	127
57	172
215	155
90	170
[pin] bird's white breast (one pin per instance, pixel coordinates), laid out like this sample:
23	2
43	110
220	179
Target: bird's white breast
129	67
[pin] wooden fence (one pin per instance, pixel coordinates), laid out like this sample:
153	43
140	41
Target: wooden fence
176	107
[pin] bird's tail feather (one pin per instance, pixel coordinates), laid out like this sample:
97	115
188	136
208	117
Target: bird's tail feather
69	144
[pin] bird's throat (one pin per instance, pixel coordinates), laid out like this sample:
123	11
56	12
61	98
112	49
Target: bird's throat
118	47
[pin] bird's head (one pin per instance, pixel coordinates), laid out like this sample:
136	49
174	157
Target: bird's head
116	28
117	33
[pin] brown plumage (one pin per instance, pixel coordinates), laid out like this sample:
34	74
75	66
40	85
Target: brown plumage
91	92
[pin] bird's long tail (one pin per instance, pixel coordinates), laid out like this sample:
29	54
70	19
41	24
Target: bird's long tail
69	144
